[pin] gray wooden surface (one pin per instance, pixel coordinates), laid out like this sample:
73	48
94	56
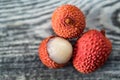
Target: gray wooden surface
24	23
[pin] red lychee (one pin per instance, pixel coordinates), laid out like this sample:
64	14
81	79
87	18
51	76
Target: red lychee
68	21
55	52
91	51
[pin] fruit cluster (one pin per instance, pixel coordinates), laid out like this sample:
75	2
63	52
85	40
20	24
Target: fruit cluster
90	51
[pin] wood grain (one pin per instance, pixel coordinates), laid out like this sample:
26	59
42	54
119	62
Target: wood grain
25	23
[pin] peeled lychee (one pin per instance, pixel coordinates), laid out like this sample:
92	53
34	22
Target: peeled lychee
91	51
68	21
55	52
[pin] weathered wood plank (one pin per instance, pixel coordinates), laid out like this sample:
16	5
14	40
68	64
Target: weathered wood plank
25	23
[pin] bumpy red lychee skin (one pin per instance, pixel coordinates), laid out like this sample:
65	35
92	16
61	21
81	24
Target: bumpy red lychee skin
68	21
44	56
91	51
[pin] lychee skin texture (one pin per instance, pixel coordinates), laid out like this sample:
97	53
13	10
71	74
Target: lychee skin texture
68	21
91	51
45	56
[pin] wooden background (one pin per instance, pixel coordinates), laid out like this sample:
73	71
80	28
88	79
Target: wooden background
24	23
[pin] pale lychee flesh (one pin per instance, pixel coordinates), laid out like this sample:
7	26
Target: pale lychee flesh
59	50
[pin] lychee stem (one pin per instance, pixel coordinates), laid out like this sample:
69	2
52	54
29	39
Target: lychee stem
103	32
67	21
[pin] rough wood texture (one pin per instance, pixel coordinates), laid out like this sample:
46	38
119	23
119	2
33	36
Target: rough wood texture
24	23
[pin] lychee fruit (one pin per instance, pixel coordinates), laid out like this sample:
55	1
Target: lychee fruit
91	51
68	21
55	52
